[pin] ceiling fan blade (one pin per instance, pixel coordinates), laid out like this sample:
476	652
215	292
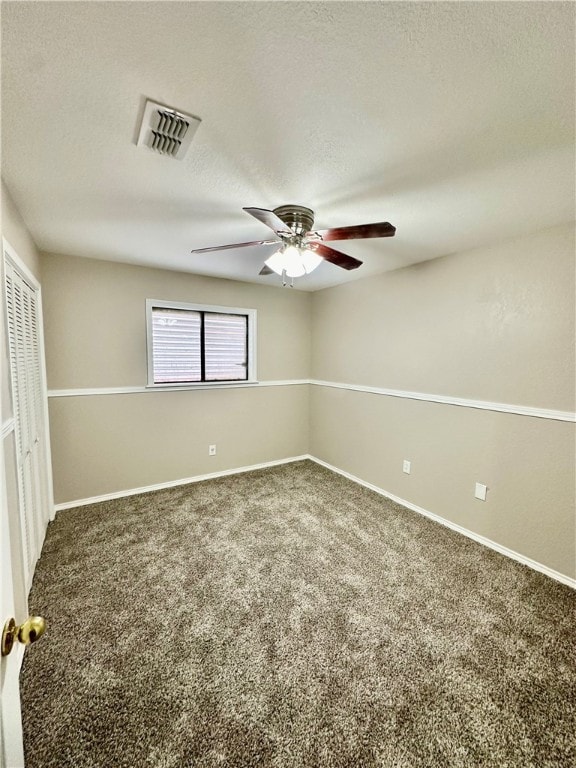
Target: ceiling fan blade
360	232
270	219
234	245
335	257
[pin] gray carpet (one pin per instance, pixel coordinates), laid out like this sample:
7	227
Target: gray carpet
291	618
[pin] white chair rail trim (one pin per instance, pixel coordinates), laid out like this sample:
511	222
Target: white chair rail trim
92	391
7	427
485	405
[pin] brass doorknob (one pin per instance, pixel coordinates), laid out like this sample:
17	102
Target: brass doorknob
28	632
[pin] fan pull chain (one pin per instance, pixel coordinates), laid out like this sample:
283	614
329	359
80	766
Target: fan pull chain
284	283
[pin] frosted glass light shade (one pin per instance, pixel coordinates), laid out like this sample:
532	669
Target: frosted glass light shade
295	262
310	260
286	261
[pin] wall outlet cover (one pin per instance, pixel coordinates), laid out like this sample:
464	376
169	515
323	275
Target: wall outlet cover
480	492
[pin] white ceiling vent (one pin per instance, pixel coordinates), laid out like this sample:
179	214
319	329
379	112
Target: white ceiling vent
166	130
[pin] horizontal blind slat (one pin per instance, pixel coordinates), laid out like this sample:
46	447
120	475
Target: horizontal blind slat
226	347
176	346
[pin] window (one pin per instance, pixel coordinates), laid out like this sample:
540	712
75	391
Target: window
196	344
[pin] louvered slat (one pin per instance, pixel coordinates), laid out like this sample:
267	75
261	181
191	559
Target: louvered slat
167	137
24	366
166	130
14	311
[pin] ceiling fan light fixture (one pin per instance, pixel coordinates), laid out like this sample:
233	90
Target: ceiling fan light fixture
300	249
293	261
310	260
284	262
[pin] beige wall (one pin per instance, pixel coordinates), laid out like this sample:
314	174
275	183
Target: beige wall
495	324
14	230
98	309
102	444
95	330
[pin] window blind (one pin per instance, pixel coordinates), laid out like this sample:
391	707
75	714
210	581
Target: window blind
226	347
195	346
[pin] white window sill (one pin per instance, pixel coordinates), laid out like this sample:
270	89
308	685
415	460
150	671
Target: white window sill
203	385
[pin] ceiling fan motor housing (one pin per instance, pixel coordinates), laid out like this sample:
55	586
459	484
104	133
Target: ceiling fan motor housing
298	218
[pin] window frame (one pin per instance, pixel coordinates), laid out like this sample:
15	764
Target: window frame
251	314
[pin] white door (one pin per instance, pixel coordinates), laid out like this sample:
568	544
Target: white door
11	751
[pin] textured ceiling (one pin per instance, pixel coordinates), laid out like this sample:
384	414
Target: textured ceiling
453	121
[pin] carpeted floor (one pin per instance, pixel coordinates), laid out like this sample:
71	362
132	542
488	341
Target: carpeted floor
289	618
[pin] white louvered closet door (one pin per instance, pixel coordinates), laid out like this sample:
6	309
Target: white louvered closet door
24	349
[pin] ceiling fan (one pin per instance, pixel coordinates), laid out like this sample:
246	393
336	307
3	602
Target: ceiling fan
301	248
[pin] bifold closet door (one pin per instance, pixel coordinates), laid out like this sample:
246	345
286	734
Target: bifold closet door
25	362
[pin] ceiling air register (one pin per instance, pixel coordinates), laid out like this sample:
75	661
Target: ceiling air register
166	130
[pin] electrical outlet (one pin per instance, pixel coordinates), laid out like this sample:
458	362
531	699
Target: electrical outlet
406	466
211	450
480	492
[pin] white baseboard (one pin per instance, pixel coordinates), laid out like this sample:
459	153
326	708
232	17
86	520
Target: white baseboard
174	483
536	566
